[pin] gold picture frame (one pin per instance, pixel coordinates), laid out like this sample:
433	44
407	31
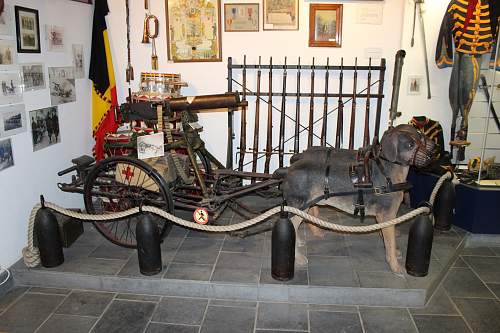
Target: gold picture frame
193	30
241	17
325	25
280	15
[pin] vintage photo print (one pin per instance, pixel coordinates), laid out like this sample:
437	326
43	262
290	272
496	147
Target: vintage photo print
78	61
55	38
6	157
33	76
281	14
12	91
12	120
62	85
149	146
28	30
415	84
8	56
241	17
44	127
6	22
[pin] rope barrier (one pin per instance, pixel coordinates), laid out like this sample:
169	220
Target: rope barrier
31	254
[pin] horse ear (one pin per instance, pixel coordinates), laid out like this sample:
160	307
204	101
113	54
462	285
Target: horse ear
389	149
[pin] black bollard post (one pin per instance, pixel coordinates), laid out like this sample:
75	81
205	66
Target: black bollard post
444	206
49	239
418	253
148	245
283	249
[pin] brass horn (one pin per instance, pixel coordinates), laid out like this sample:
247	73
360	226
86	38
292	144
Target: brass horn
146	34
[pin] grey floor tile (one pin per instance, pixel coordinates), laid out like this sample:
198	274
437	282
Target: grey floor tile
332	271
237	267
67	324
333	308
435	269
28	312
381	280
198	251
386	320
462	282
334	322
52	291
138	297
282	316
90	266
204	234
13	295
482	315
495	250
223	319
170	328
169	247
326	247
125	316
495	288
177	232
459	262
276	331
109	250
251	244
440	324
488	268
188	272
85	303
299	278
243	304
477	251
439	303
177	310
131	269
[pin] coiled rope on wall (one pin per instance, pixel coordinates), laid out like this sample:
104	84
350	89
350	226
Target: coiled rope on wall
31	254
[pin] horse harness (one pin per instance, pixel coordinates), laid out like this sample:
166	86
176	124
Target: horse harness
361	178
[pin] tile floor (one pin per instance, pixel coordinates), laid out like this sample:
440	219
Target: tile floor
466	301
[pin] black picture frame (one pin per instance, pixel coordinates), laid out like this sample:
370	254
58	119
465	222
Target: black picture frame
19	33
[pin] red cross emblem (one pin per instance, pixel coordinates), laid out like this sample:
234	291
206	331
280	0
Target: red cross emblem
127	173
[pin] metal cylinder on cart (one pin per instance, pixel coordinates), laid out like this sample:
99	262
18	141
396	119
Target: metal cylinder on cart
418	253
283	249
148	245
48	238
444	206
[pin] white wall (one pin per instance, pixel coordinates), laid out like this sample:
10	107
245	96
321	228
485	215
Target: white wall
34	173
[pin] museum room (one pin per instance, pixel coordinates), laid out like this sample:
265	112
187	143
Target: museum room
250	166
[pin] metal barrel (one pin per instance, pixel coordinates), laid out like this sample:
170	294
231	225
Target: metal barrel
49	238
396	84
148	246
283	249
444	205
418	254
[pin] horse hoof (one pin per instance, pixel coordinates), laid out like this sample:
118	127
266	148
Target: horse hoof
301	260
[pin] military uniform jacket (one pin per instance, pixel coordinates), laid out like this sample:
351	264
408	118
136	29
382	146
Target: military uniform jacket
470	27
430	128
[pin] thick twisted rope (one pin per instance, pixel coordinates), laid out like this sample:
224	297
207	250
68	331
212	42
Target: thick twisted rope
438	185
31	254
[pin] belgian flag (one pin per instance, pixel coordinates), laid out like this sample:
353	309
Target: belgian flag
104	98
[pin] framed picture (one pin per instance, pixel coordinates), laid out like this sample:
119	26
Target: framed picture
44	127
6	157
415	83
193	32
281	15
33	76
8	54
55	38
12	87
325	25
6	22
27	29
62	85
78	61
241	17
12	120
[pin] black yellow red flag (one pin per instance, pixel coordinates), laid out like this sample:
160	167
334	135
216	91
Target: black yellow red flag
104	98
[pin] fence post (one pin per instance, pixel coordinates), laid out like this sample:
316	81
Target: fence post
283	249
49	239
444	206
418	253
148	245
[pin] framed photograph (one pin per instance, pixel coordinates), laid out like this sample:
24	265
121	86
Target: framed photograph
12	120
6	22
8	55
12	87
62	85
78	61
33	77
149	146
325	25
6	157
55	38
281	15
241	17
27	30
44	127
415	83
193	32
